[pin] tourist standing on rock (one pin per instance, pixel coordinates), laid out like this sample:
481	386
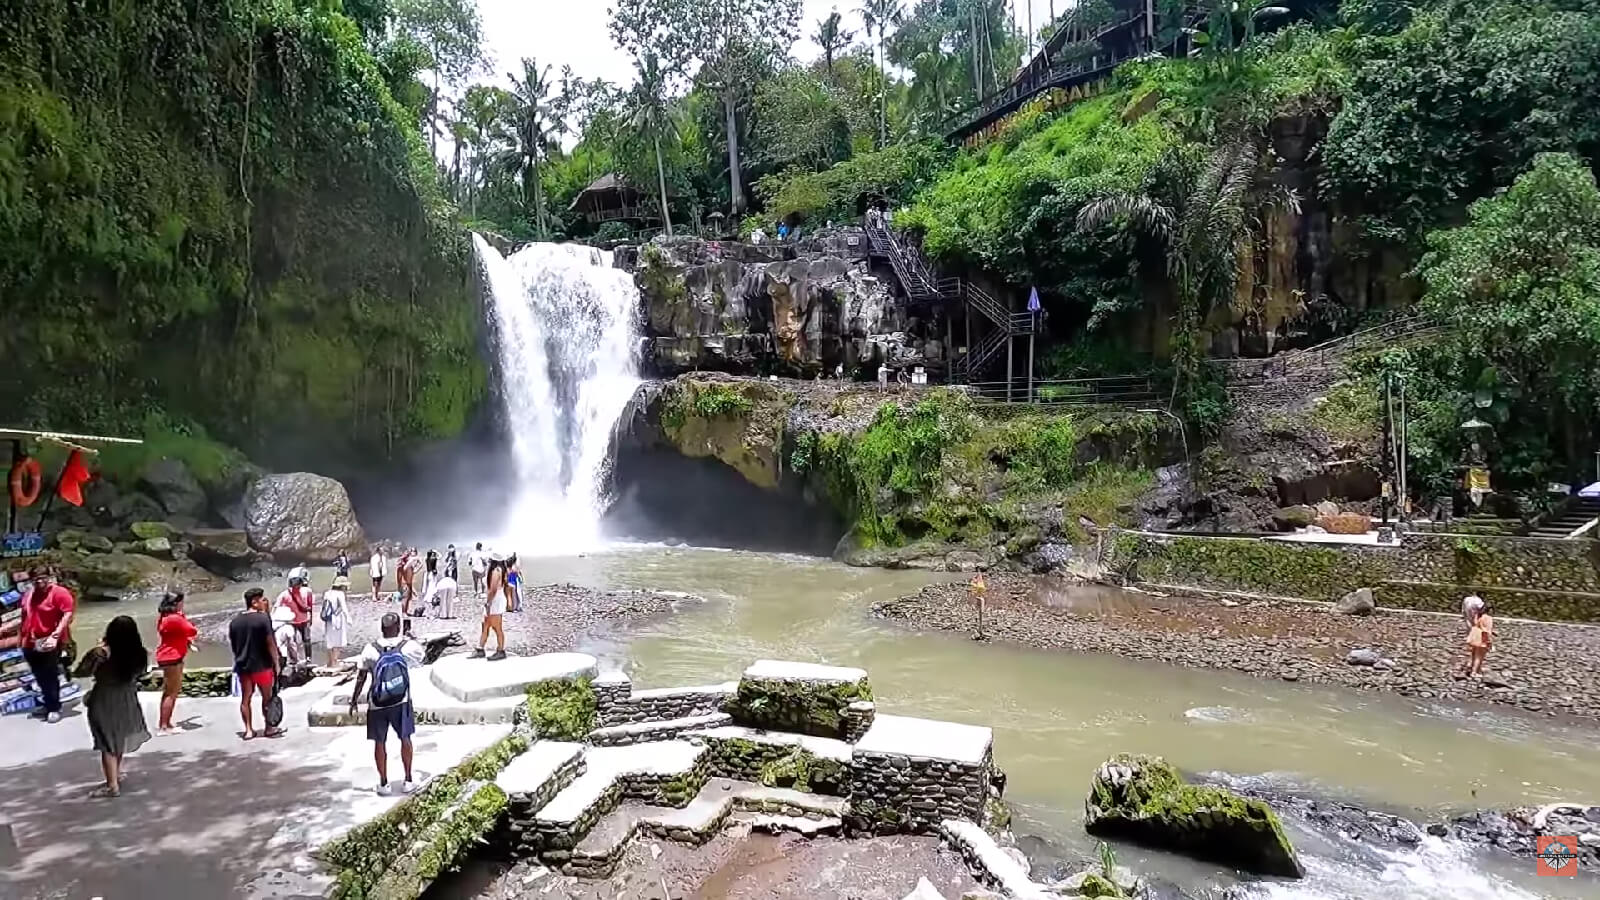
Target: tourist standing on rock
478	562
47	613
494	610
377	567
1479	640
177	636
335	615
299	600
255	658
115	720
388	660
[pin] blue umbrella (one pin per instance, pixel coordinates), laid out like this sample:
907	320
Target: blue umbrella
1033	301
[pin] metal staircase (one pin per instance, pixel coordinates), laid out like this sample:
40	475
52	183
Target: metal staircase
921	287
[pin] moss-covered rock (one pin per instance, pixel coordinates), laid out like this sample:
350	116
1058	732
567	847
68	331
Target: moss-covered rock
146	531
1144	799
802	770
739	422
197	682
804	707
562	710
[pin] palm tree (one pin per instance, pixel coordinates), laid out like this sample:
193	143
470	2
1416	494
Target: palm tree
650	114
880	16
537	125
832	37
1205	221
481	127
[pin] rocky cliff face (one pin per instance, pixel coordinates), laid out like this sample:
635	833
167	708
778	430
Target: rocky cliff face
797	310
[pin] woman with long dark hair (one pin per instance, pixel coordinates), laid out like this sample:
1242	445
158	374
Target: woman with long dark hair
494	609
115	720
177	635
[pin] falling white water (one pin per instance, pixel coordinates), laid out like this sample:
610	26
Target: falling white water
564	330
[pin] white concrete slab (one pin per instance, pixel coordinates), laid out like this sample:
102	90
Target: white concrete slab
927	739
533	769
471	680
970	839
656	758
349	799
826	748
576	798
783	670
612	678
431	705
798	825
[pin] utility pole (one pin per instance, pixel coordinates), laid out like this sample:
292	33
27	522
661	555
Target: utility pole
1386	459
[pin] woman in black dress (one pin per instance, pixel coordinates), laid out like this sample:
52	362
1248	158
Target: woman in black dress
115	720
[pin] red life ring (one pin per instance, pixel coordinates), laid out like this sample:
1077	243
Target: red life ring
26	482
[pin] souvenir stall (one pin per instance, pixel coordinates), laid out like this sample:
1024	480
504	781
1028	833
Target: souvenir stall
20	545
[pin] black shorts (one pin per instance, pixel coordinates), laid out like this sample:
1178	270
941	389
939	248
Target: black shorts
398	717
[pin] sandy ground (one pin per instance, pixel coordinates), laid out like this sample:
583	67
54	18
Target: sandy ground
1537	666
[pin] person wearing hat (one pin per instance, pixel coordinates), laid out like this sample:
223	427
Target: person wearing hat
494	609
335	617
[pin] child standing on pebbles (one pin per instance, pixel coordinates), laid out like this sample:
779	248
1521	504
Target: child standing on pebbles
1479	640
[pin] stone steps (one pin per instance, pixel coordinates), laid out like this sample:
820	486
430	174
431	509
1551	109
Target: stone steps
666	773
768	809
645	732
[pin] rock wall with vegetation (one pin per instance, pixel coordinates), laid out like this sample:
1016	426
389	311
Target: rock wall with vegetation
924	477
1554	580
219	224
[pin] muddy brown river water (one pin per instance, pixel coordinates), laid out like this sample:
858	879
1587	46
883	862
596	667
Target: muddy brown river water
1057	715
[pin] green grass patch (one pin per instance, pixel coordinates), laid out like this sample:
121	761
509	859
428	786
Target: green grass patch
562	710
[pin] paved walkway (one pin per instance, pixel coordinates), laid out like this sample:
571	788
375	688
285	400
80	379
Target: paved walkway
202	815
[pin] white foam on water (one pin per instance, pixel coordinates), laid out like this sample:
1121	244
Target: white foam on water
565	323
1435	870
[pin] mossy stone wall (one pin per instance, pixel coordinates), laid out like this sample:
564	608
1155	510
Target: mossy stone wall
805	707
1538	579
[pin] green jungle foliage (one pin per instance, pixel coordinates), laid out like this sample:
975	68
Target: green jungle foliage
217	218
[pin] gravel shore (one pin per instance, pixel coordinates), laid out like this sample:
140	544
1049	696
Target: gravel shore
553	618
1535	666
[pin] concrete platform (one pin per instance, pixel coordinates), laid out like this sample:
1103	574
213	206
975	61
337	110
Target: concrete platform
783	670
534	769
473	680
431	705
347	800
927	739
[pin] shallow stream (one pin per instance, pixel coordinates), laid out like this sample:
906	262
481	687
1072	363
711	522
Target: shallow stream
1057	715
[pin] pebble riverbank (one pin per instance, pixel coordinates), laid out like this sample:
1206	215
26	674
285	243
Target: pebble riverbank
1536	666
553	618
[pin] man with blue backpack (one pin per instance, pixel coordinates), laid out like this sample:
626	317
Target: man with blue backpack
388	661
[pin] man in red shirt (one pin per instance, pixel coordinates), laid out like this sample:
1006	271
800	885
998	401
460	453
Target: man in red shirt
47	611
299	599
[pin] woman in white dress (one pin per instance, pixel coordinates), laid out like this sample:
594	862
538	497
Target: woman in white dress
335	620
494	609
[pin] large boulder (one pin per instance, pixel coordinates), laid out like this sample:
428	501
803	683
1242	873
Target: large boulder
225	551
121	576
1145	800
173	486
301	517
1289	518
1357	603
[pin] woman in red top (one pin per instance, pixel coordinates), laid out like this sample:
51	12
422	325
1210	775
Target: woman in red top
177	635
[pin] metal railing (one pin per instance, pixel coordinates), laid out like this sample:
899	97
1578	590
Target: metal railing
1116	390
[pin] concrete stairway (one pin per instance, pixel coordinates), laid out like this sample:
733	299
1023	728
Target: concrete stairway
1578	513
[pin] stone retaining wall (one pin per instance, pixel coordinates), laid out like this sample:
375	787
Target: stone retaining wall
618	704
895	793
857	718
667	790
1555	580
197	682
515	835
758	762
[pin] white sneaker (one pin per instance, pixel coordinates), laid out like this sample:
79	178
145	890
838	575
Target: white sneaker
384	790
53	718
407	787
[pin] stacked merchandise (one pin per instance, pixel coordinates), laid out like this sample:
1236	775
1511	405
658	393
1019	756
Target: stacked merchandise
17	689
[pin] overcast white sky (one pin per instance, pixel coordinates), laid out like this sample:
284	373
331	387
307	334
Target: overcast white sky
573	32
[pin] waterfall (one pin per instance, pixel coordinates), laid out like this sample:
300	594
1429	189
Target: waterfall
565	327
